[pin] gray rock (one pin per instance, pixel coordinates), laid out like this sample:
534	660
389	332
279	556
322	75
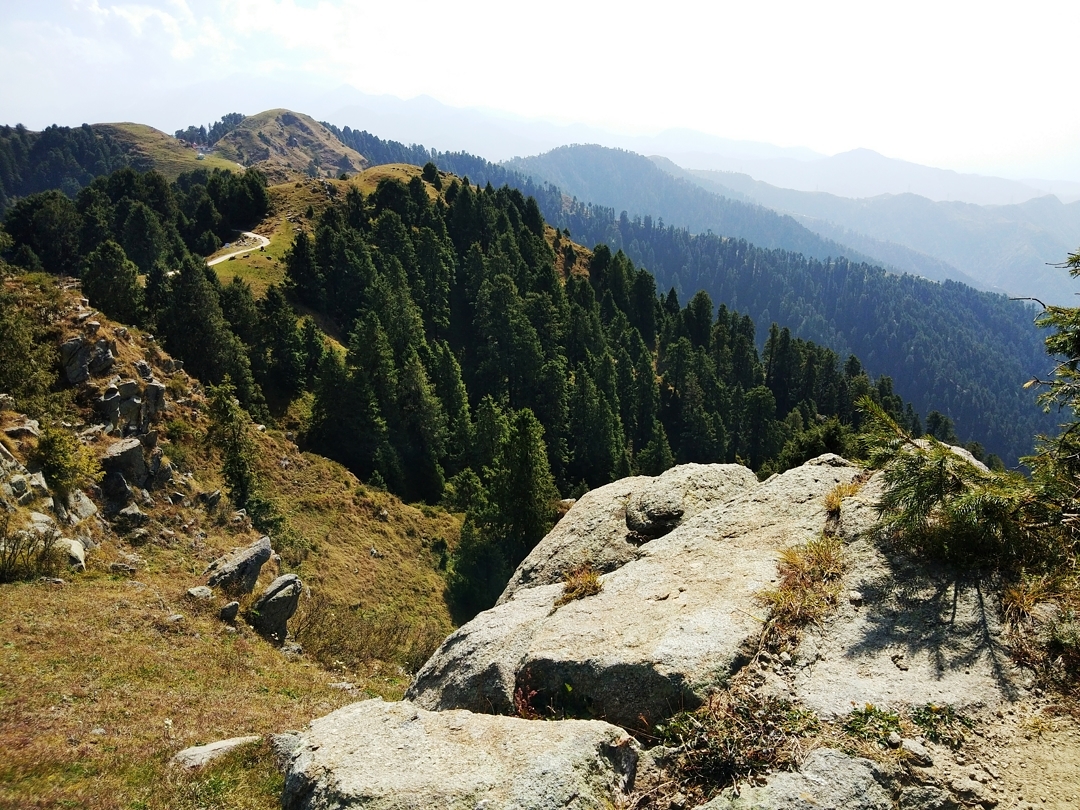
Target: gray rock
143	369
79	507
917	752
229	612
38	484
237	571
153	401
122	568
76	553
128	388
827	780
200	755
131	517
924	633
607	526
200	593
393	756
270	613
19	485
75	358
284	746
24	428
115	487
126	457
8	461
664	629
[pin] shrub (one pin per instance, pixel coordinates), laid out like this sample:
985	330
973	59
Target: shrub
941	724
736	735
66	462
872	724
26	555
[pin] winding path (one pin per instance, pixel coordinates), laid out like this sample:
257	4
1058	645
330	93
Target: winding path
262	240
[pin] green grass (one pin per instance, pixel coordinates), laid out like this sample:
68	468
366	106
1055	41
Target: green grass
154	149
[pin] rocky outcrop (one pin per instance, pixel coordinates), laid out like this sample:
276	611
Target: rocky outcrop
665	627
392	756
270	613
81	357
238	571
826	780
607	526
126	457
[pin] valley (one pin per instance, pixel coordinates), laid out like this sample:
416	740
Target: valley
579	481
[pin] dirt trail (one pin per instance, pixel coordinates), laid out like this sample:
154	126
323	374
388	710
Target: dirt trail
260	242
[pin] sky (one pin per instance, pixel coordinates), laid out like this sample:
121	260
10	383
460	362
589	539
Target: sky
984	86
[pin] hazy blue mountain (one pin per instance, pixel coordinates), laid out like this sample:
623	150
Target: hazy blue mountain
866	173
1009	248
626	181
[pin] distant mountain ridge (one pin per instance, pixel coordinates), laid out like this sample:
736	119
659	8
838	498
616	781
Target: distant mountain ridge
1008	248
626	181
865	173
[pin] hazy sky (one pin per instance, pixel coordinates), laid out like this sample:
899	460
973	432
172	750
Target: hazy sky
974	86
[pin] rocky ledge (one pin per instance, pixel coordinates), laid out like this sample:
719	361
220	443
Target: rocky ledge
684	557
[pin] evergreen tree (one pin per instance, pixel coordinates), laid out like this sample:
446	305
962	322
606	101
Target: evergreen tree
111	283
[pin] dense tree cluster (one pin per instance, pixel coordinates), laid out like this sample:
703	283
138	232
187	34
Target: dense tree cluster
476	359
204	136
61	158
949	347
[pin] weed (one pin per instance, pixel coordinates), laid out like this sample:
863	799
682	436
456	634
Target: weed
336	636
872	724
578	583
736	735
941	724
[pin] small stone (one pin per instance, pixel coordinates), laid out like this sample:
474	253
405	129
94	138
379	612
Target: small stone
229	612
98	732
122	568
200	592
785	658
917	751
894	739
855	598
174	618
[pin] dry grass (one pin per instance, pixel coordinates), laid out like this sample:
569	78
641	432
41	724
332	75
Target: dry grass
835	496
578	583
154	149
809	587
98	691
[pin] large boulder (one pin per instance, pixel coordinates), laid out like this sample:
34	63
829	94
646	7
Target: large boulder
827	780
126	457
270	613
665	627
396	756
238	571
607	526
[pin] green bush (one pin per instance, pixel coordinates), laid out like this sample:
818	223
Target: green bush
66	462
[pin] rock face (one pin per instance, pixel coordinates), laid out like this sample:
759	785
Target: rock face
665	627
393	756
607	526
827	780
126	457
270	613
238	570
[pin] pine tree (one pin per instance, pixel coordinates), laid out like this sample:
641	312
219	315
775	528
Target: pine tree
111	283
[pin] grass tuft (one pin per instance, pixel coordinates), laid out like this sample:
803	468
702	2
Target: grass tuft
809	587
835	496
578	583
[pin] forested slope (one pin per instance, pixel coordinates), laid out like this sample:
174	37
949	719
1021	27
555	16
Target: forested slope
61	158
947	346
